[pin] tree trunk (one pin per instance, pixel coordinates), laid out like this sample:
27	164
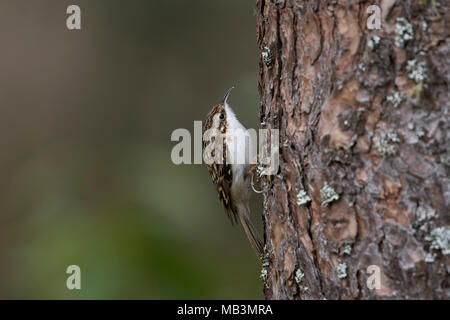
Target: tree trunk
364	159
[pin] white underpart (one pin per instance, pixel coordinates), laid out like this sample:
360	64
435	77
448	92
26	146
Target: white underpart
238	145
237	139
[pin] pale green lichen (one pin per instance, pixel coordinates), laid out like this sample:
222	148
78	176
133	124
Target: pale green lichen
425	227
299	276
417	70
302	198
341	270
328	194
403	32
420	132
385	146
265	259
440	238
393	136
266	256
395	98
263	275
424	213
373	42
347	249
267	57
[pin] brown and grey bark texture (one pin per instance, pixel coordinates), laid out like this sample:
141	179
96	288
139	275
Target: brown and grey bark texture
364	180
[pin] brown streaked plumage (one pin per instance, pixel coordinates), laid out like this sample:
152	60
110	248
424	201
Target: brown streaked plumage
221	173
231	183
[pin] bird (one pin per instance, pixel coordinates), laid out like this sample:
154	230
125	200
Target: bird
229	171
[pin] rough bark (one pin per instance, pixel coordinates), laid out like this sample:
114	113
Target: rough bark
364	112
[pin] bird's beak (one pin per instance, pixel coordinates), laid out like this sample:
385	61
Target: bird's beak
225	97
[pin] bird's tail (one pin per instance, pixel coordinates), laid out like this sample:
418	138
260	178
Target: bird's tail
252	235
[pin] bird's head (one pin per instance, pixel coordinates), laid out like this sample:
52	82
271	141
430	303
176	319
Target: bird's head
217	116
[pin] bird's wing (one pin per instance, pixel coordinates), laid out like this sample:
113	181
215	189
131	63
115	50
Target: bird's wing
222	177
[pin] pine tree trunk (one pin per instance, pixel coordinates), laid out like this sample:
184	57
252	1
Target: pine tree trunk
364	119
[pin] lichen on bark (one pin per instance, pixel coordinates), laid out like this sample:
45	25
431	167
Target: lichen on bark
356	115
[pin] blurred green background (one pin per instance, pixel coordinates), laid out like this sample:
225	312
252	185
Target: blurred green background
86	175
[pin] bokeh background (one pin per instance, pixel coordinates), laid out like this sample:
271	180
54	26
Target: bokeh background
85	124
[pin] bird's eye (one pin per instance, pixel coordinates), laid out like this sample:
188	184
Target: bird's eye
221	116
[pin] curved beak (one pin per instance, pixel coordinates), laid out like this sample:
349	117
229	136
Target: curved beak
225	97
